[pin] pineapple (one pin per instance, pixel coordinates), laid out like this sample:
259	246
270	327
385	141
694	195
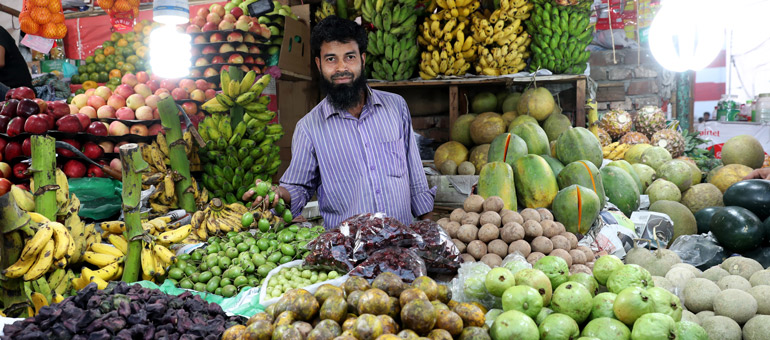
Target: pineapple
616	122
604	137
671	140
650	119
634	138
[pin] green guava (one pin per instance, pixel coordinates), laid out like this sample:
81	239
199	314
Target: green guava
474	287
558	327
524	299
572	299
498	280
606	329
514	325
536	279
586	280
665	303
555	268
629	275
631	303
604	266
602	306
544	312
687	330
653	326
516	266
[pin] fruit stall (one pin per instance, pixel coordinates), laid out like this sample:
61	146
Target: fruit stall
128	211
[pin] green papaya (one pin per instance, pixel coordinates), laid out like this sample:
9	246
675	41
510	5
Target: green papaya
620	189
585	174
534	136
506	148
577	144
535	183
576	207
497	179
556	166
630	170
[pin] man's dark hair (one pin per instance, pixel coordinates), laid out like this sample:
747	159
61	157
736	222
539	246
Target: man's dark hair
334	28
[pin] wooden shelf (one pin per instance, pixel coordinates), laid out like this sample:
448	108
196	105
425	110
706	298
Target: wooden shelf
475	81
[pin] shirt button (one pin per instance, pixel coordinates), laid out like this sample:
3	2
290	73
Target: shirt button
372	167
377	191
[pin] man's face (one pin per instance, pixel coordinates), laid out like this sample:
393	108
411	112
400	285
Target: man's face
342	69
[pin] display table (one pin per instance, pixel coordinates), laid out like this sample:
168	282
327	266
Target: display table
719	132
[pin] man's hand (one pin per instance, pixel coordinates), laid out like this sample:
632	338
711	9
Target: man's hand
428	216
763	173
280	193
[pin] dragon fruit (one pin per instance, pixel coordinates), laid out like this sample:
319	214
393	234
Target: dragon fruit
671	140
650	119
634	138
616	122
604	137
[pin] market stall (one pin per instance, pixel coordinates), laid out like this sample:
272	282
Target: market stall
144	206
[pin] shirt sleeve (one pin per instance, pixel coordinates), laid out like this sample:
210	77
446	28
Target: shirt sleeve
422	196
301	178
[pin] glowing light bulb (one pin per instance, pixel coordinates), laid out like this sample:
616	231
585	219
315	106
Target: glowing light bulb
687	34
170	52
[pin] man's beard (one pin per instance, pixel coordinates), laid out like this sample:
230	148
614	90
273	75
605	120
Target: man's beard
344	96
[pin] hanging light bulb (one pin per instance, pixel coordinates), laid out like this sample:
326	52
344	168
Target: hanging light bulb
687	34
169	48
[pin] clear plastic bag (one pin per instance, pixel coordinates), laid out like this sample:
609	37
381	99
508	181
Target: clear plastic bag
702	251
374	231
437	248
469	286
264	301
400	261
331	250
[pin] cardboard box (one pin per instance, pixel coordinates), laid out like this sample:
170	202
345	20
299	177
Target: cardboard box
451	191
295	49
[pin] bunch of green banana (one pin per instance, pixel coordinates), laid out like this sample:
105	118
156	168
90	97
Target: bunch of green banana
448	50
324	10
392	48
560	35
502	41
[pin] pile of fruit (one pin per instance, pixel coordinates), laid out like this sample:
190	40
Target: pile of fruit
123	53
238	153
531	233
296	277
43	18
125	312
216	219
448	46
501	39
560	34
387	308
393	46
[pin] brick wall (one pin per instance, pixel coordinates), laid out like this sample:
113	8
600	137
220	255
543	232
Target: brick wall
631	80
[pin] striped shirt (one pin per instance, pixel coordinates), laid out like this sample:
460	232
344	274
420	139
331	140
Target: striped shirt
358	165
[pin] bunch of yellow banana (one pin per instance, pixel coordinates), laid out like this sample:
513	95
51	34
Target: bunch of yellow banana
326	9
448	49
51	246
218	218
615	151
160	228
455	8
245	92
501	39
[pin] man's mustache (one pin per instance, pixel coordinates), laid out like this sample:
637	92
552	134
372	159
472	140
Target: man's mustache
343	75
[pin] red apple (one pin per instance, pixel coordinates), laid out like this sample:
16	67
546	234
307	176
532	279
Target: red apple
210	93
105	111
192	29
248	60
254	50
9	108
124	90
84	121
190	108
116	164
74	169
15	127
5	171
97	129
236	12
3	143
26	147
96	102
235	37
68	153
210	72
125	113
69	124
202	12
59	109
129	79
142	77
229	18
187	84
249	38
201	61
116	101
92	150
12	150
218	60
139	129
259	61
24	93
155	114
3	126
218	9
155	129
144	113
41	104
88	111
235	59
208	27
26	108
216	37
49	118
118	129
202	84
200	39
198	21
94	171
5	186
20	170
168	84
154	85
179	94
209	50
225	25
214	18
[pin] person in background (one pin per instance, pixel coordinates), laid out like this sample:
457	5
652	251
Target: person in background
355	149
13	69
706	116
700	120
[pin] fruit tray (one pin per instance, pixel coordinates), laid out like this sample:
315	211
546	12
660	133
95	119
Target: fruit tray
131	138
225	33
225	56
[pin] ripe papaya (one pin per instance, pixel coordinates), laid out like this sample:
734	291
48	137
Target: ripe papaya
535	182
506	148
496	179
576	207
534	136
585	174
576	144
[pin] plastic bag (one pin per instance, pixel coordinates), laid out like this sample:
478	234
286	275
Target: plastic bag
100	198
43	18
437	249
374	231
331	250
656	227
264	301
702	251
403	262
469	286
122	12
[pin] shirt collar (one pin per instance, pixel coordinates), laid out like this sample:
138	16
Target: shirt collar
372	99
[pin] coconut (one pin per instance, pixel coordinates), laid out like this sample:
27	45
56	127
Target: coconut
722	328
735	304
762	295
702	196
742	266
536	102
734	282
699	294
757	328
715	273
760	278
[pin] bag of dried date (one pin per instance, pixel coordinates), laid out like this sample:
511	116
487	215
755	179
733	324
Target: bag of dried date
331	250
437	249
374	231
400	261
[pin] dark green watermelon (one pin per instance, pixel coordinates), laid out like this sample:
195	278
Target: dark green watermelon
752	194
703	218
737	229
766	226
761	255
